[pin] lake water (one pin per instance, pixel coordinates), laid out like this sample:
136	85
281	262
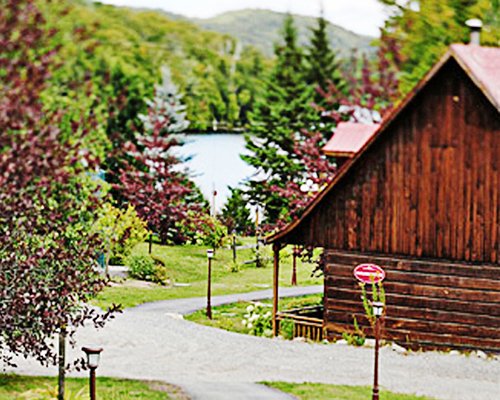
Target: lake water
216	163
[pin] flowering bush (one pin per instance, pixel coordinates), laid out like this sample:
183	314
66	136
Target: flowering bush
258	320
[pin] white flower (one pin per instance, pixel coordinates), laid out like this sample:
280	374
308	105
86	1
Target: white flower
250	308
250	325
244	322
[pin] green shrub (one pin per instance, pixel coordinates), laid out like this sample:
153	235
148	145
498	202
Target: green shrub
141	267
357	338
234	266
286	329
147	268
121	230
160	274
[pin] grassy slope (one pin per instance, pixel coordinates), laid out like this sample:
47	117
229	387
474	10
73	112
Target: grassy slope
318	391
260	28
188	264
13	386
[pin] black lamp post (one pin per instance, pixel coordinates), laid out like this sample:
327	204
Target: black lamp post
378	310
234	245
210	255
93	356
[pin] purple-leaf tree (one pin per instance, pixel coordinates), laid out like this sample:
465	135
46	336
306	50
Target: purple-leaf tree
152	178
48	202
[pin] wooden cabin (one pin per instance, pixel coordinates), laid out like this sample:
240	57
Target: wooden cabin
422	200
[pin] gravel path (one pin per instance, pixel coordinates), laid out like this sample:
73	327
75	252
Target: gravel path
153	342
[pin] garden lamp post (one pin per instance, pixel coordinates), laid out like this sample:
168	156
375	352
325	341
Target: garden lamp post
93	356
234	245
378	310
210	255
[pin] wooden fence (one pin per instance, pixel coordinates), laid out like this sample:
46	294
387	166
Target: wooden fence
307	322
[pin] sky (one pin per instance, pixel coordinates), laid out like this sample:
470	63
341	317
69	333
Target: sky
360	16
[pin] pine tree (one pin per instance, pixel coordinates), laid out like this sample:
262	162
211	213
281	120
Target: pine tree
277	124
322	64
235	213
166	107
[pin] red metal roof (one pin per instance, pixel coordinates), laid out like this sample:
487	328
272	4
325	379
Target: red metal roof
348	138
482	64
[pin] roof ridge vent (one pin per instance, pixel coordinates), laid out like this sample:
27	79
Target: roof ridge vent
475	25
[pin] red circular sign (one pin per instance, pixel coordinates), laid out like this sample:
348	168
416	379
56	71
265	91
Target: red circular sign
369	273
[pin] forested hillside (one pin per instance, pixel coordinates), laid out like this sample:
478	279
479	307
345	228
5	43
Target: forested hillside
261	28
123	50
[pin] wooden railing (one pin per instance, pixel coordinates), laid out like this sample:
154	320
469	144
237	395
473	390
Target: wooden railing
307	322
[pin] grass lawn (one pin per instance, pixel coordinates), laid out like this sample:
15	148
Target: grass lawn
13	387
188	265
229	316
319	391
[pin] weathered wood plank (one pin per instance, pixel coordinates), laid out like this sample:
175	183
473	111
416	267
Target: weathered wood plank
436	315
429	291
422	278
399	263
416	302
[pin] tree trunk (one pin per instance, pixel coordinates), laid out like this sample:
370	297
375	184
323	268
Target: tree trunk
62	362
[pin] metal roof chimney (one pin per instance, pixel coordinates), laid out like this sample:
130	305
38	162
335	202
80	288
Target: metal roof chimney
475	25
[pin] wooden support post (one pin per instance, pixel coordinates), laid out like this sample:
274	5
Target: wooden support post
276	250
294	266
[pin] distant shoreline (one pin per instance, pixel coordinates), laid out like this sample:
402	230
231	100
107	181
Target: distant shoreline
217	132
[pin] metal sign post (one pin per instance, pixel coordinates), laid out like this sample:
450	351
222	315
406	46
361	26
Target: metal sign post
371	273
210	255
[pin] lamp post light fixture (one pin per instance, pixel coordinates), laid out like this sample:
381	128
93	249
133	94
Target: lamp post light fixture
210	255
378	310
93	356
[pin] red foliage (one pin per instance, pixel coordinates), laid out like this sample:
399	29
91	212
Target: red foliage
153	182
47	255
372	85
317	172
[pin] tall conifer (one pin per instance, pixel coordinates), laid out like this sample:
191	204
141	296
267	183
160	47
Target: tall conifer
322	64
277	124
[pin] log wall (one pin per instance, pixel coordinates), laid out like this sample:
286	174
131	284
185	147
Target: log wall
430	304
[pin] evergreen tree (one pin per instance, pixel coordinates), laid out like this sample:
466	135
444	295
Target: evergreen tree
166	109
322	64
236	214
276	125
